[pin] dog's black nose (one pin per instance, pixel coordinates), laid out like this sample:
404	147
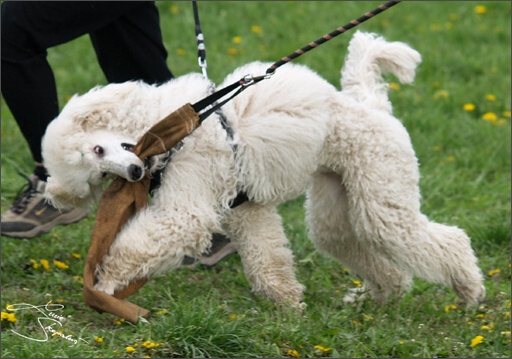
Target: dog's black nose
135	172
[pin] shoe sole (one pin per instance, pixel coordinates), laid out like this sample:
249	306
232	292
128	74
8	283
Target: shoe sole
65	219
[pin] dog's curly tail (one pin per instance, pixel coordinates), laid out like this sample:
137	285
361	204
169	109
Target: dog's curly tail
368	57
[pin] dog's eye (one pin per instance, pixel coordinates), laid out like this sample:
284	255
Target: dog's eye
127	146
99	150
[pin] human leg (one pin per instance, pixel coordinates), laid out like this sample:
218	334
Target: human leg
28	87
131	47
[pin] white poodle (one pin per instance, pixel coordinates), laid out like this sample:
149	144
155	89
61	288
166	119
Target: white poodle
292	133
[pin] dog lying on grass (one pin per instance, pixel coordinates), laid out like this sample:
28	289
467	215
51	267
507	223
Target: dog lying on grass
290	134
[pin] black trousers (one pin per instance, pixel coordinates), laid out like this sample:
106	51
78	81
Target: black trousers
126	37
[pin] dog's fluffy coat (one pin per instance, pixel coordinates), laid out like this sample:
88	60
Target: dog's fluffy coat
293	133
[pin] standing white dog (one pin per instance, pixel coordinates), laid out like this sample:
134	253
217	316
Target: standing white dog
291	134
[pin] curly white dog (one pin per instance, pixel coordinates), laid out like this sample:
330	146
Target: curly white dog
291	134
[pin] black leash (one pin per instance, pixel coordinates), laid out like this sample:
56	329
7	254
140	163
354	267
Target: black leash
201	48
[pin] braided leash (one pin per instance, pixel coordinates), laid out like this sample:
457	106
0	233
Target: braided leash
329	36
249	80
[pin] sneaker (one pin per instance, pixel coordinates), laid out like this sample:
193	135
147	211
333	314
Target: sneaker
221	248
31	215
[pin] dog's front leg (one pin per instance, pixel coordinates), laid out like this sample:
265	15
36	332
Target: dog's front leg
268	264
149	244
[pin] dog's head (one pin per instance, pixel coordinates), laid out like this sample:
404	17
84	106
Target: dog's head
81	151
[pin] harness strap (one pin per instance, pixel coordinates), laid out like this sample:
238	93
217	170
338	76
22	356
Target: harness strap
212	99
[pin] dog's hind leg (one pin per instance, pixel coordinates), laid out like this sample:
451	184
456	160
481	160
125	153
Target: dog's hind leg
268	265
331	232
381	176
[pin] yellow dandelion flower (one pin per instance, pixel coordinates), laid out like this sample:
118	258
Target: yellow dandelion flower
506	113
118	321
5	315
11	317
450	307
162	312
485	328
35	265
76	255
174	9
476	340
180	52
79	278
506	333
480	9
232	51
256	29
401	342
489	116
490	97
293	353
237	39
98	339
60	265
148	344
494	272
45	264
470	323
322	348
232	316
394	86
130	349
441	94
356	282
469	107
480	316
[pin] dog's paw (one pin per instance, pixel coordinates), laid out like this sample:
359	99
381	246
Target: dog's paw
355	295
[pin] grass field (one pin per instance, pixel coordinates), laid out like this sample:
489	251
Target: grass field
458	115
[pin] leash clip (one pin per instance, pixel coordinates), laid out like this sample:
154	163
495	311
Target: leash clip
203	65
249	80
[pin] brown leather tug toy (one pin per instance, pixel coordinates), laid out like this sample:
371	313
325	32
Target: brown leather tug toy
120	201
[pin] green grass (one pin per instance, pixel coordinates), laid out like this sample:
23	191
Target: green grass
465	167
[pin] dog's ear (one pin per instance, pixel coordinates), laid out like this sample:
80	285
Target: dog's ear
61	198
